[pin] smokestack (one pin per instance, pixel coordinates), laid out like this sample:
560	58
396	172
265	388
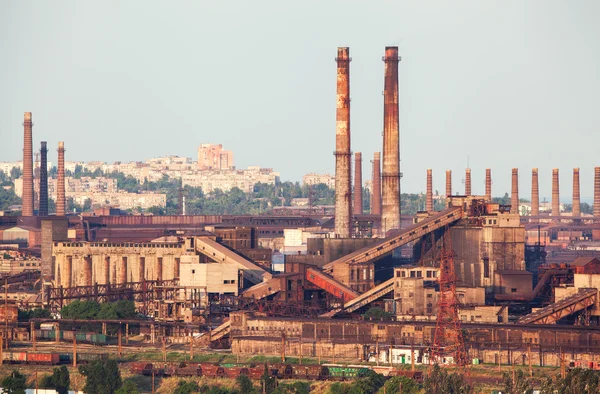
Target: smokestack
358	198
43	180
576	194
468	182
429	194
555	195
514	198
390	180
597	192
535	193
448	182
376	185
27	200
343	203
488	184
60	183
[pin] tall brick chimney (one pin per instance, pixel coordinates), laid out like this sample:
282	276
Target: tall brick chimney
597	193
576	194
514	198
376	185
343	181
27	200
448	182
555	196
43	180
429	193
61	204
488	184
358	197
535	194
468	182
390	179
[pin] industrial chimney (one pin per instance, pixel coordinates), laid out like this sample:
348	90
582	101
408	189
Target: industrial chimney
514	198
488	184
596	192
576	194
60	183
376	185
343	195
535	194
43	180
390	179
358	197
555	196
27	200
448	182
468	182
429	194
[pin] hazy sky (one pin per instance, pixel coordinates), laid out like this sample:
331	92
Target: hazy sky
503	83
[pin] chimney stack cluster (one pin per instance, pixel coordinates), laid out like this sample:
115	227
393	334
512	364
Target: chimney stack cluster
358	197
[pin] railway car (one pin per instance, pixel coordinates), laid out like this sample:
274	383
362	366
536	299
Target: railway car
184	369
347	372
417	376
43	358
14	357
213	371
313	372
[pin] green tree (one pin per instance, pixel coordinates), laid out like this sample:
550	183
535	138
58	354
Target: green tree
292	388
59	380
8	198
400	385
14	383
440	381
186	387
245	384
518	385
15	173
377	314
577	381
102	377
128	387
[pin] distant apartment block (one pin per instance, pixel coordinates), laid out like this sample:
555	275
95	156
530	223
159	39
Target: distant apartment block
7	166
228	179
213	157
316	179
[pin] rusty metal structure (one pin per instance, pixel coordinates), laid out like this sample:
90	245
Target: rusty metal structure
488	184
596	192
358	192
535	193
576	194
514	197
27	166
448	339
376	185
390	178
448	182
343	181
555	195
429	193
61	203
468	182
43	211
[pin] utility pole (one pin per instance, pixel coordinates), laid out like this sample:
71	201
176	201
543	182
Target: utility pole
164	349
119	347
75	349
529	359
32	330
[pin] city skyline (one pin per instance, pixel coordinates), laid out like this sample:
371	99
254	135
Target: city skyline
520	94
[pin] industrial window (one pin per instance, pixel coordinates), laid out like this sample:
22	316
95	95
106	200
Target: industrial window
513	290
193	271
413	274
429	274
419	274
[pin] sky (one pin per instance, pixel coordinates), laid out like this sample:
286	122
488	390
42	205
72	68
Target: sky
488	84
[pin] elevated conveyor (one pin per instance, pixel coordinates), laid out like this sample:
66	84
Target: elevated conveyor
366	298
219	253
398	238
567	306
330	285
264	289
220	331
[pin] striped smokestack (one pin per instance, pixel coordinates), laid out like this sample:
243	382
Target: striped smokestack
597	192
488	184
468	182
358	197
576	194
376	185
343	181
390	179
60	182
27	199
535	194
448	182
43	180
555	195
514	198
429	194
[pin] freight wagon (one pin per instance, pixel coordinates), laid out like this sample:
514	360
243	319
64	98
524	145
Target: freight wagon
30	358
